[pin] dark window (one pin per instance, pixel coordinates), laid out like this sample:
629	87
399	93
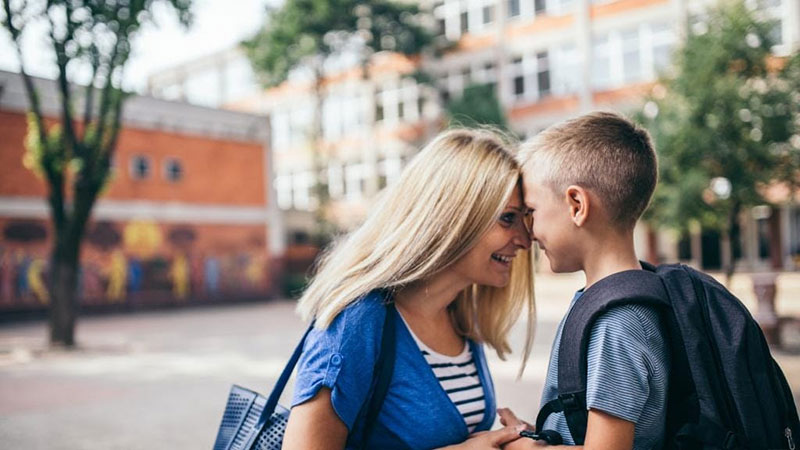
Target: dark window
420	105
445	95
464	22
539	6
513	8
401	109
488	67
173	170
488	14
378	112
440	26
543	74
140	167
300	237
519	85
465	76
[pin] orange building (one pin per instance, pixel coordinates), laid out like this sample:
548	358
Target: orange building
187	215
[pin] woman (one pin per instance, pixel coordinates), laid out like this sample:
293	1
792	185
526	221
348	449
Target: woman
448	245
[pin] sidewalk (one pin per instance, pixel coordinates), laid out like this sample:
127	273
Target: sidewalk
160	379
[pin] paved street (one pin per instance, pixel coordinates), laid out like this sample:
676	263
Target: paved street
160	379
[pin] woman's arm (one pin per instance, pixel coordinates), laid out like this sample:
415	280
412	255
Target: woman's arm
315	425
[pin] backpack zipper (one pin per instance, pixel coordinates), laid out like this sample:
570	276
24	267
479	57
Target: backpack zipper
788	433
715	350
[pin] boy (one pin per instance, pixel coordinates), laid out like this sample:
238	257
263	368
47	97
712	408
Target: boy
587	181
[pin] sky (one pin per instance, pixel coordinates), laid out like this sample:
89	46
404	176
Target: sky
218	25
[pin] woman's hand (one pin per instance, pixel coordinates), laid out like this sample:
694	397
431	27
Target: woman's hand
488	439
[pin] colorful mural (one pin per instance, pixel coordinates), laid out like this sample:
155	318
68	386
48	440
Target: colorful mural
137	263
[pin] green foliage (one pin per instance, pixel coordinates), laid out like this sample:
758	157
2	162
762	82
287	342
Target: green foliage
478	106
725	111
307	31
93	37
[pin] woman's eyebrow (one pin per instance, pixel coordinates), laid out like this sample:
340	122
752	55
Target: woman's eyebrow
516	208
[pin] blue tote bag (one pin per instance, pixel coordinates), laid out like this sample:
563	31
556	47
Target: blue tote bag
254	422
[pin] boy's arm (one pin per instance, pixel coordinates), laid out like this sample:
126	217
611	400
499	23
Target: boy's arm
603	431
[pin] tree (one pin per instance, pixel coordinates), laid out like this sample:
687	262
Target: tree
73	154
305	33
477	106
726	124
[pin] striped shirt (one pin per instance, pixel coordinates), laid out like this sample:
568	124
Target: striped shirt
627	372
458	376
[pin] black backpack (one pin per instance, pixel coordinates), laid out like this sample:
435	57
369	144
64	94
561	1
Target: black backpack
726	391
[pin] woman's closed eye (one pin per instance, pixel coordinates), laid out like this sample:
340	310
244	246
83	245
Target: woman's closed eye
508	219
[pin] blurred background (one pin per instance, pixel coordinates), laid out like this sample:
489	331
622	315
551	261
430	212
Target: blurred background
160	156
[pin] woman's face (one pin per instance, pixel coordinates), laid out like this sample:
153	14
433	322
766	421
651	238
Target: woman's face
489	261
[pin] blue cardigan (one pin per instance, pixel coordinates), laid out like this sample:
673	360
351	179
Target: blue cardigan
417	413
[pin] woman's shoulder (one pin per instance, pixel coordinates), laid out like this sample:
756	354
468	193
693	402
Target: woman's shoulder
363	318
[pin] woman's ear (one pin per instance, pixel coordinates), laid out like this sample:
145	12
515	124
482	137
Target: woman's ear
578	202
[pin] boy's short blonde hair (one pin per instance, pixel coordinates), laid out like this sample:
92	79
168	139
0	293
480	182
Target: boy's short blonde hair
603	152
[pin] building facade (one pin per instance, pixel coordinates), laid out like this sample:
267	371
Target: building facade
186	216
546	59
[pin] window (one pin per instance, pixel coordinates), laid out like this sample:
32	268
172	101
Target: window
663	39
354	181
631	56
601	64
539	6
566	76
441	26
335	181
380	114
281	131
283	190
302	190
519	85
140	167
543	74
173	170
300	237
488	14
464	22
518	77
513	8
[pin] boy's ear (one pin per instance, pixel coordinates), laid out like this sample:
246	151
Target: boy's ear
578	201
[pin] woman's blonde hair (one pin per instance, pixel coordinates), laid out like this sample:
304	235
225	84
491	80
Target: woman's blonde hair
447	198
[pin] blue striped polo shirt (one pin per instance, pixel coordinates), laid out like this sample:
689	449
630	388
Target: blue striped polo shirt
627	372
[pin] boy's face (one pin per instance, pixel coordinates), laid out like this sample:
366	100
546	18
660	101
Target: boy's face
553	229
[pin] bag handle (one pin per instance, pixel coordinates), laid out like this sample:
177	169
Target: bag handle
384	367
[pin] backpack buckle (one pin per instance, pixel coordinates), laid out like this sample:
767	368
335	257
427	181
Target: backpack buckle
570	402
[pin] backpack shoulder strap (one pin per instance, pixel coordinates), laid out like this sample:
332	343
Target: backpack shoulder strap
384	369
632	286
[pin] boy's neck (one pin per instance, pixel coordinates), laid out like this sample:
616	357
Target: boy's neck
613	253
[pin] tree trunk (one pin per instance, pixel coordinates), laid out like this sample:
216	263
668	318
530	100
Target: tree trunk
66	262
320	188
63	290
730	228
